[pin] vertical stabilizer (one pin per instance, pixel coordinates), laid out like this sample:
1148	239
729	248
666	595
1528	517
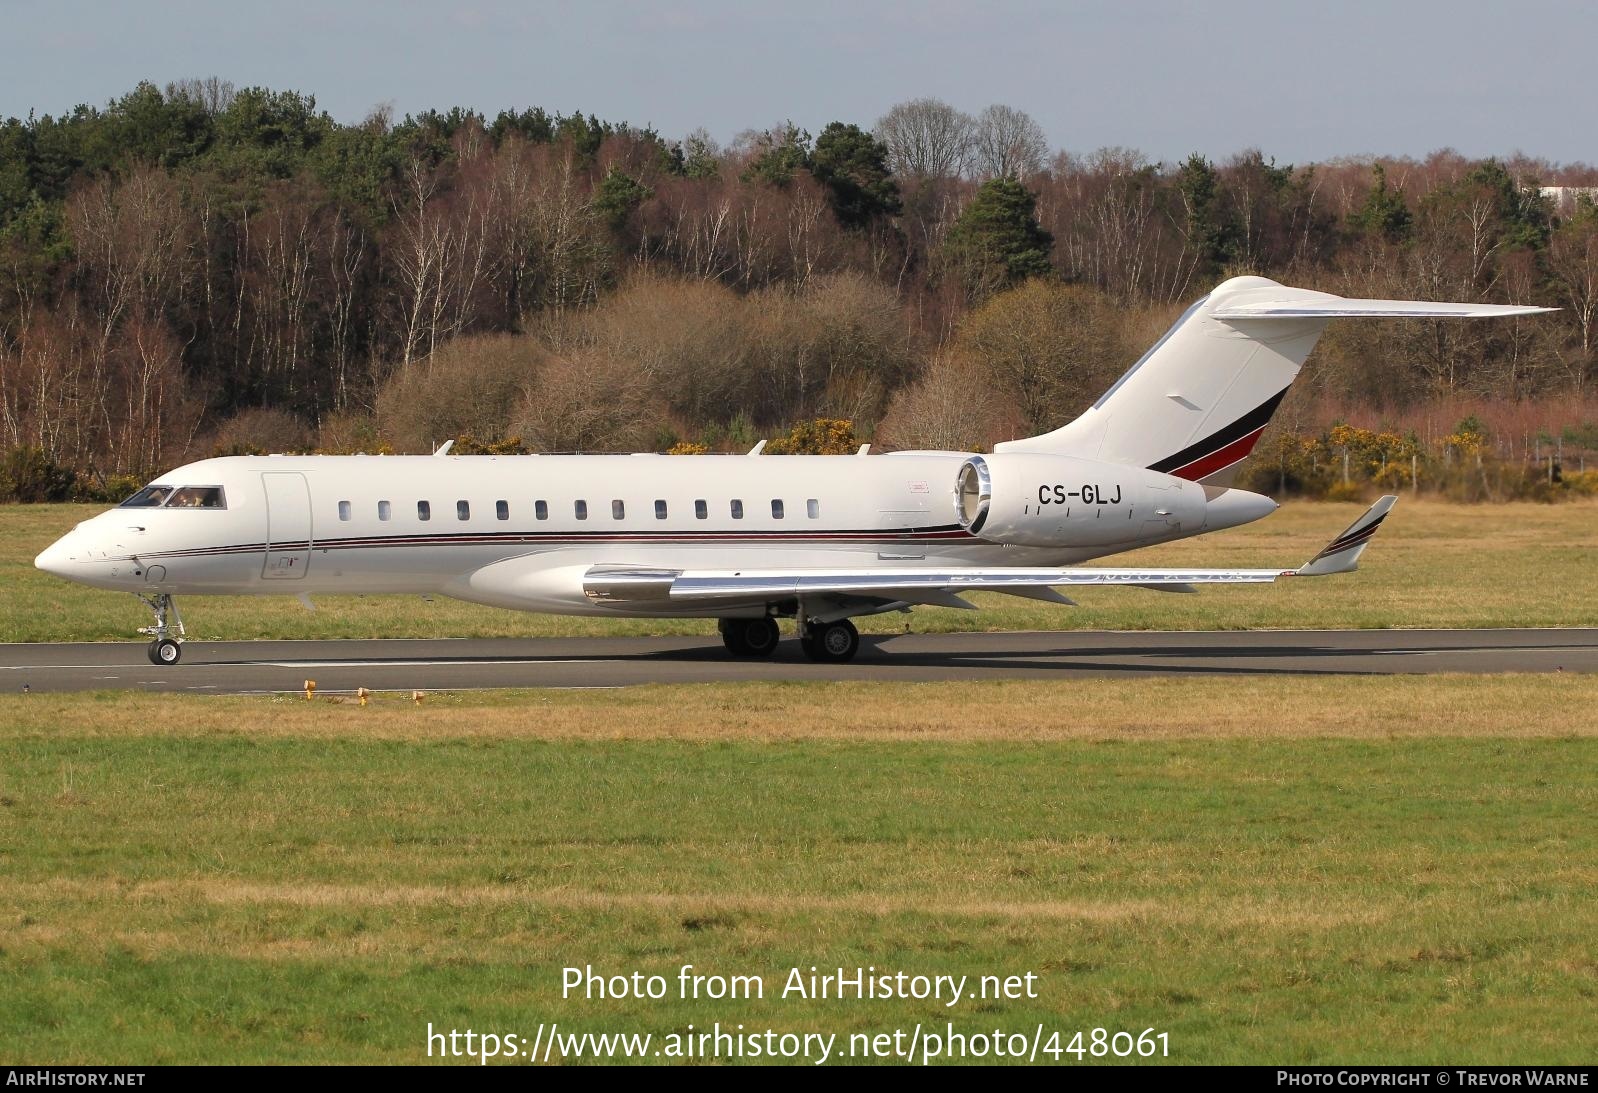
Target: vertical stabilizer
1196	403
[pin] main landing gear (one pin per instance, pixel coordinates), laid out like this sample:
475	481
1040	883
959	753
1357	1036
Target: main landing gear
165	649
829	642
832	642
749	637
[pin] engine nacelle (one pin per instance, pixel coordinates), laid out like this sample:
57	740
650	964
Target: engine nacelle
1062	501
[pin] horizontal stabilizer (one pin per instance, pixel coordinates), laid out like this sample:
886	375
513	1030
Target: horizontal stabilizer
1342	553
1333	307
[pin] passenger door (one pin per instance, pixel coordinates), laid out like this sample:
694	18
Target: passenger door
288	525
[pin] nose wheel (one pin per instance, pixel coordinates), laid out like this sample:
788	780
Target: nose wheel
165	651
167	648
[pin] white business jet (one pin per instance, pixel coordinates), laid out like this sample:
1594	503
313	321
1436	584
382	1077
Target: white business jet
749	541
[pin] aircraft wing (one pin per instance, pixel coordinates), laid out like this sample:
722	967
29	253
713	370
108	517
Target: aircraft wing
1333	307
632	585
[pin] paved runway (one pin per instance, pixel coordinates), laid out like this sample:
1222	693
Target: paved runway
224	667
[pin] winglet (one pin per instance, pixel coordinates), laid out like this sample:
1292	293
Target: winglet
1342	553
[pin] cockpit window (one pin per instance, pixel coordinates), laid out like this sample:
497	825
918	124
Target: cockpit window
150	497
177	497
197	497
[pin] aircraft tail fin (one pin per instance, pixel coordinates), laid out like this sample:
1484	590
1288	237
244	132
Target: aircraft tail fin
1195	404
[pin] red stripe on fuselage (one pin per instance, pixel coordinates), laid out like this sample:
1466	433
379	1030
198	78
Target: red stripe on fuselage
1220	458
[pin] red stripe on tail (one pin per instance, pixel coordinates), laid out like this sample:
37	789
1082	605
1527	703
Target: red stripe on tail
1219	459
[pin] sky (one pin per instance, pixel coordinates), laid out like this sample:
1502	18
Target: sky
1301	81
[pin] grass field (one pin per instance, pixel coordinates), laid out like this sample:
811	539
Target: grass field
1433	565
1284	870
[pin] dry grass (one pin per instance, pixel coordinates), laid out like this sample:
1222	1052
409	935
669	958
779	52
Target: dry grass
1344	707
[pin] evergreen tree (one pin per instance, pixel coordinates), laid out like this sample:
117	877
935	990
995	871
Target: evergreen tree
780	154
853	165
1523	214
998	241
1208	228
616	196
1384	212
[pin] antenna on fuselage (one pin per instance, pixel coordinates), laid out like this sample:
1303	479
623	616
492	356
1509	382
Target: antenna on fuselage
443	449
758	448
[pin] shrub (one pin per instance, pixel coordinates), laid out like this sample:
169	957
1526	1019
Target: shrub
104	489
823	436
30	475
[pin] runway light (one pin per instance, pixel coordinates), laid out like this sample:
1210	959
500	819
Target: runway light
417	696
310	689
363	694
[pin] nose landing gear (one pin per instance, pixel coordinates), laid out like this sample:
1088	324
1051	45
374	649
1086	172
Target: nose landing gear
165	649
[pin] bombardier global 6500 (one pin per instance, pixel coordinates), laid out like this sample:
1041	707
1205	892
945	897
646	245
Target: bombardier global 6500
749	541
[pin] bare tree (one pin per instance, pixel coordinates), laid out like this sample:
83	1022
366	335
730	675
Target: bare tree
282	279
1573	260
1054	346
212	93
1006	142
926	138
442	253
423	250
471	386
134	243
951	408
564	416
345	258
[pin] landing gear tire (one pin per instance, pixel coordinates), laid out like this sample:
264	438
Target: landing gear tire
750	637
165	651
830	642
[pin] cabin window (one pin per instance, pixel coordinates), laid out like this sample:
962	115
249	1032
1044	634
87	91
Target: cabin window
541	510
581	508
737	510
776	509
343	510
660	510
502	510
384	510
463	510
424	510
618	510
813	509
197	497
701	510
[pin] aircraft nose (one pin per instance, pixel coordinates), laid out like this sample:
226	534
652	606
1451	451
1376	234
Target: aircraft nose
56	559
1229	508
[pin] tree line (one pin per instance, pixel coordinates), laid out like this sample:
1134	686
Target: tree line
200	268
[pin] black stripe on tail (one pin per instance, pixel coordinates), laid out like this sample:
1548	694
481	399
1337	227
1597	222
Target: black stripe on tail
1255	419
